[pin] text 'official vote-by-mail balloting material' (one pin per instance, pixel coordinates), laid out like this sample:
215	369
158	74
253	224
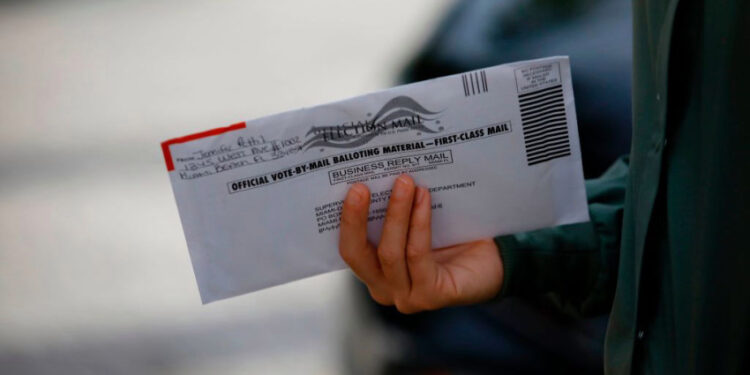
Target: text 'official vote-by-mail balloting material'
260	200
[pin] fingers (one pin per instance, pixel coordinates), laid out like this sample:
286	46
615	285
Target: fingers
391	251
354	248
421	265
402	271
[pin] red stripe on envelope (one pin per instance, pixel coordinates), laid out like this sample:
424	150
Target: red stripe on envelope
208	133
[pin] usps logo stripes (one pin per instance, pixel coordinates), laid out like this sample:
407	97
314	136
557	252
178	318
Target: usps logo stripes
545	130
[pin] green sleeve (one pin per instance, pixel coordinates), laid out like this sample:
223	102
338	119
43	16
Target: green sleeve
574	265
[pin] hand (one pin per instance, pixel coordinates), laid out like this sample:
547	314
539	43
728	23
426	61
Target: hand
404	270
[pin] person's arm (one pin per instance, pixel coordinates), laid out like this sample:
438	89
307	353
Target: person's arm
576	264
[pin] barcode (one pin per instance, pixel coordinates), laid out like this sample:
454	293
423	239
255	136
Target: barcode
474	83
545	130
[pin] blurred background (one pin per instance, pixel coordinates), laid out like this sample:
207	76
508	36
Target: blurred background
94	271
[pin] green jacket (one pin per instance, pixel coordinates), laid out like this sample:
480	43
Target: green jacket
667	248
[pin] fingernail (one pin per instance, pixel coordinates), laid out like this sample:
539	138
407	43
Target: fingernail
401	187
421	193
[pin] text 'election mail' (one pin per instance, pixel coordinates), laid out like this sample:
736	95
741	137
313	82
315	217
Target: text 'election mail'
260	200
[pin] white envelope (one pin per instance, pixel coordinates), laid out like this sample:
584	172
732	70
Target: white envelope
260	200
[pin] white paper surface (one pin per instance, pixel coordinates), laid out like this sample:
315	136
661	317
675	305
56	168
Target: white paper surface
498	147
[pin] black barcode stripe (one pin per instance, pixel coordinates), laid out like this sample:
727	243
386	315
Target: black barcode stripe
533	139
538	135
529	94
540	154
559	148
545	116
547	147
546	100
541	125
549	157
538	116
550	127
546	150
531	99
545	142
546	155
474	83
548	138
545	126
543	105
545	138
541	99
563	149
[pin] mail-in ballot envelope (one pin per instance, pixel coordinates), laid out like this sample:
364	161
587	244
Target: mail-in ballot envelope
260	200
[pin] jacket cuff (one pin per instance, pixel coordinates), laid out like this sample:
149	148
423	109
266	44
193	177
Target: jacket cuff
510	255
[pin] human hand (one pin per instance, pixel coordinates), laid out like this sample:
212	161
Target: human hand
404	270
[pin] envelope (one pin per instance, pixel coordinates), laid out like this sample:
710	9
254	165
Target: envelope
260	200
